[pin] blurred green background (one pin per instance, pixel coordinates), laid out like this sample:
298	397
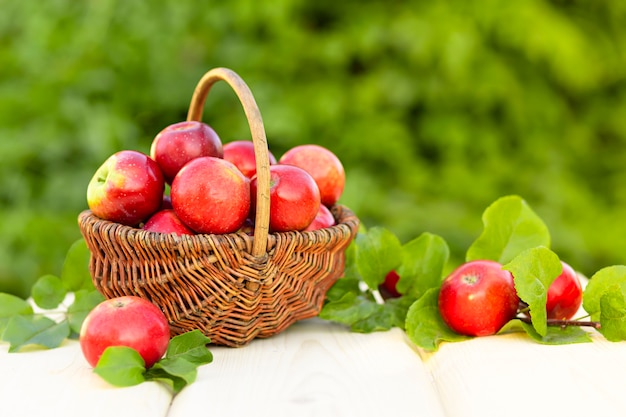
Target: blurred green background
436	108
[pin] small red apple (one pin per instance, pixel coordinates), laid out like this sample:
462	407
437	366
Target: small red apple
127	188
166	221
478	298
390	283
210	195
241	153
181	142
323	219
125	321
565	295
323	165
294	198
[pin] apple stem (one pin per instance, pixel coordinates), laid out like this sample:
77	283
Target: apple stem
564	323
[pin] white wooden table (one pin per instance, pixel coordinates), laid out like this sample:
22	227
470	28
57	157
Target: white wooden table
316	368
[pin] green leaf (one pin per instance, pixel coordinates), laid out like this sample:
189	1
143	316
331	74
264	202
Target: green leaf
377	252
191	346
48	291
349	309
156	373
11	305
424	325
75	273
384	316
557	335
341	287
350	269
533	271
613	314
364	315
84	302
606	280
424	259
35	330
178	367
510	227
121	366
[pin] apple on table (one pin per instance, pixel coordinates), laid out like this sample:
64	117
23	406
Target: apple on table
478	298
125	321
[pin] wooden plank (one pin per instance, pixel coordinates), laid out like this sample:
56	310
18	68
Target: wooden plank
59	382
511	375
315	368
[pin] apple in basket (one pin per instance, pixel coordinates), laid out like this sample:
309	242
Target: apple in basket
323	219
210	195
125	321
127	188
166	221
181	142
241	154
323	165
294	198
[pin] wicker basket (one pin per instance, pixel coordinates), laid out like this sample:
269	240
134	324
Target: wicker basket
232	287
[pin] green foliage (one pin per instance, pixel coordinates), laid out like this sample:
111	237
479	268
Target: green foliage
70	297
534	270
353	300
436	108
124	367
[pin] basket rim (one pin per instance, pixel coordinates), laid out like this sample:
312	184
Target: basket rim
347	223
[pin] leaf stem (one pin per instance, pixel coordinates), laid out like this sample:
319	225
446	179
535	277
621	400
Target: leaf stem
564	323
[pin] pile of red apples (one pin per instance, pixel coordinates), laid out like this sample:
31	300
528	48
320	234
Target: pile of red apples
192	183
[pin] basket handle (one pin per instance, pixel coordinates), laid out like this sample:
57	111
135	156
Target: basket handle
251	110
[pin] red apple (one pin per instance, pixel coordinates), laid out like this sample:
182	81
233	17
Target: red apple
241	154
210	195
294	198
478	298
127	188
323	219
323	165
125	321
390	283
166	221
181	142
565	295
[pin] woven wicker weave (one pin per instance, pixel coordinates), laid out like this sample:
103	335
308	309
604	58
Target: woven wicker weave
232	287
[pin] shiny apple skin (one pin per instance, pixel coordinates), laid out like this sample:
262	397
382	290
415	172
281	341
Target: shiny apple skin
294	198
125	321
181	142
166	221
478	298
565	295
323	165
127	188
241	154
210	195
323	219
